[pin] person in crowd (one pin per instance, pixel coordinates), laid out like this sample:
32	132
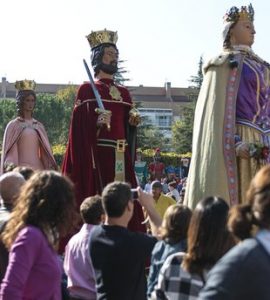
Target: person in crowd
231	124
170	172
77	262
25	141
26	172
173	239
44	211
147	187
164	181
156	168
244	271
184	274
101	143
141	169
10	185
173	192
238	222
184	167
119	255
162	202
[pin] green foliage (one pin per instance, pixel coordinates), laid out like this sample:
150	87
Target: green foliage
7	113
58	153
119	76
198	79
54	111
168	158
182	130
149	136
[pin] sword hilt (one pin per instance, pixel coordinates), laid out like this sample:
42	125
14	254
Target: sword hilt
104	111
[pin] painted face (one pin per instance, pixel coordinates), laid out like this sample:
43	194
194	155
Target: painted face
109	61
242	33
29	103
110	56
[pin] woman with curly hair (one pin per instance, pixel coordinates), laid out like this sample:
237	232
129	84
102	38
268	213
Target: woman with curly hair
44	211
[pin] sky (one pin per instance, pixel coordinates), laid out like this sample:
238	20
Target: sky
160	40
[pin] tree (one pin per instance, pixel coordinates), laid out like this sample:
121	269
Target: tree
150	137
7	113
198	79
119	76
182	130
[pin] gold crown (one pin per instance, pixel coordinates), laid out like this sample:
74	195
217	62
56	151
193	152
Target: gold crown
96	38
24	85
244	14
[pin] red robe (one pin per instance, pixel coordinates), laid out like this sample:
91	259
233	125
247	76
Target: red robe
90	166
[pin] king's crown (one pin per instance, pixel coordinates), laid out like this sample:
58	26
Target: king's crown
96	38
24	85
243	14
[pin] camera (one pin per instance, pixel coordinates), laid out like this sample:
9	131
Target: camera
134	194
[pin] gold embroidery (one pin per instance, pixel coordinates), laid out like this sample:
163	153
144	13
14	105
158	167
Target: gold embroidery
115	93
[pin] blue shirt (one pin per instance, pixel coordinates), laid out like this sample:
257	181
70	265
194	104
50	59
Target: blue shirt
159	254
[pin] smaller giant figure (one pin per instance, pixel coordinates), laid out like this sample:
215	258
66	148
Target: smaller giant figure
25	140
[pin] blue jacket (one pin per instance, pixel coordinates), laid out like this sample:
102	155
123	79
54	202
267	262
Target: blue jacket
243	273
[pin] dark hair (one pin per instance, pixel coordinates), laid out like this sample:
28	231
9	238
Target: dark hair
156	184
173	184
47	202
20	97
115	198
26	172
257	210
208	237
175	223
97	55
240	221
91	210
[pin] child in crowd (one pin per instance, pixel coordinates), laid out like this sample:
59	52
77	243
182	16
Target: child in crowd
174	239
77	261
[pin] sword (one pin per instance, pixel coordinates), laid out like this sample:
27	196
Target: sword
101	109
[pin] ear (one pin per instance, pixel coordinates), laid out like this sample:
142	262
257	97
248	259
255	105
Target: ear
130	205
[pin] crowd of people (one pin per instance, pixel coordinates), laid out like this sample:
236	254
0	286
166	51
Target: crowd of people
98	231
208	253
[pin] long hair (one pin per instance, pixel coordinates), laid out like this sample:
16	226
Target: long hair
227	36
208	237
46	201
21	95
97	55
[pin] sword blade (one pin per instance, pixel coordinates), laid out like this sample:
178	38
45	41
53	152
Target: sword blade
94	88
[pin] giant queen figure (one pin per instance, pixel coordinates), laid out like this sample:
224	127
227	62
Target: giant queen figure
232	117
